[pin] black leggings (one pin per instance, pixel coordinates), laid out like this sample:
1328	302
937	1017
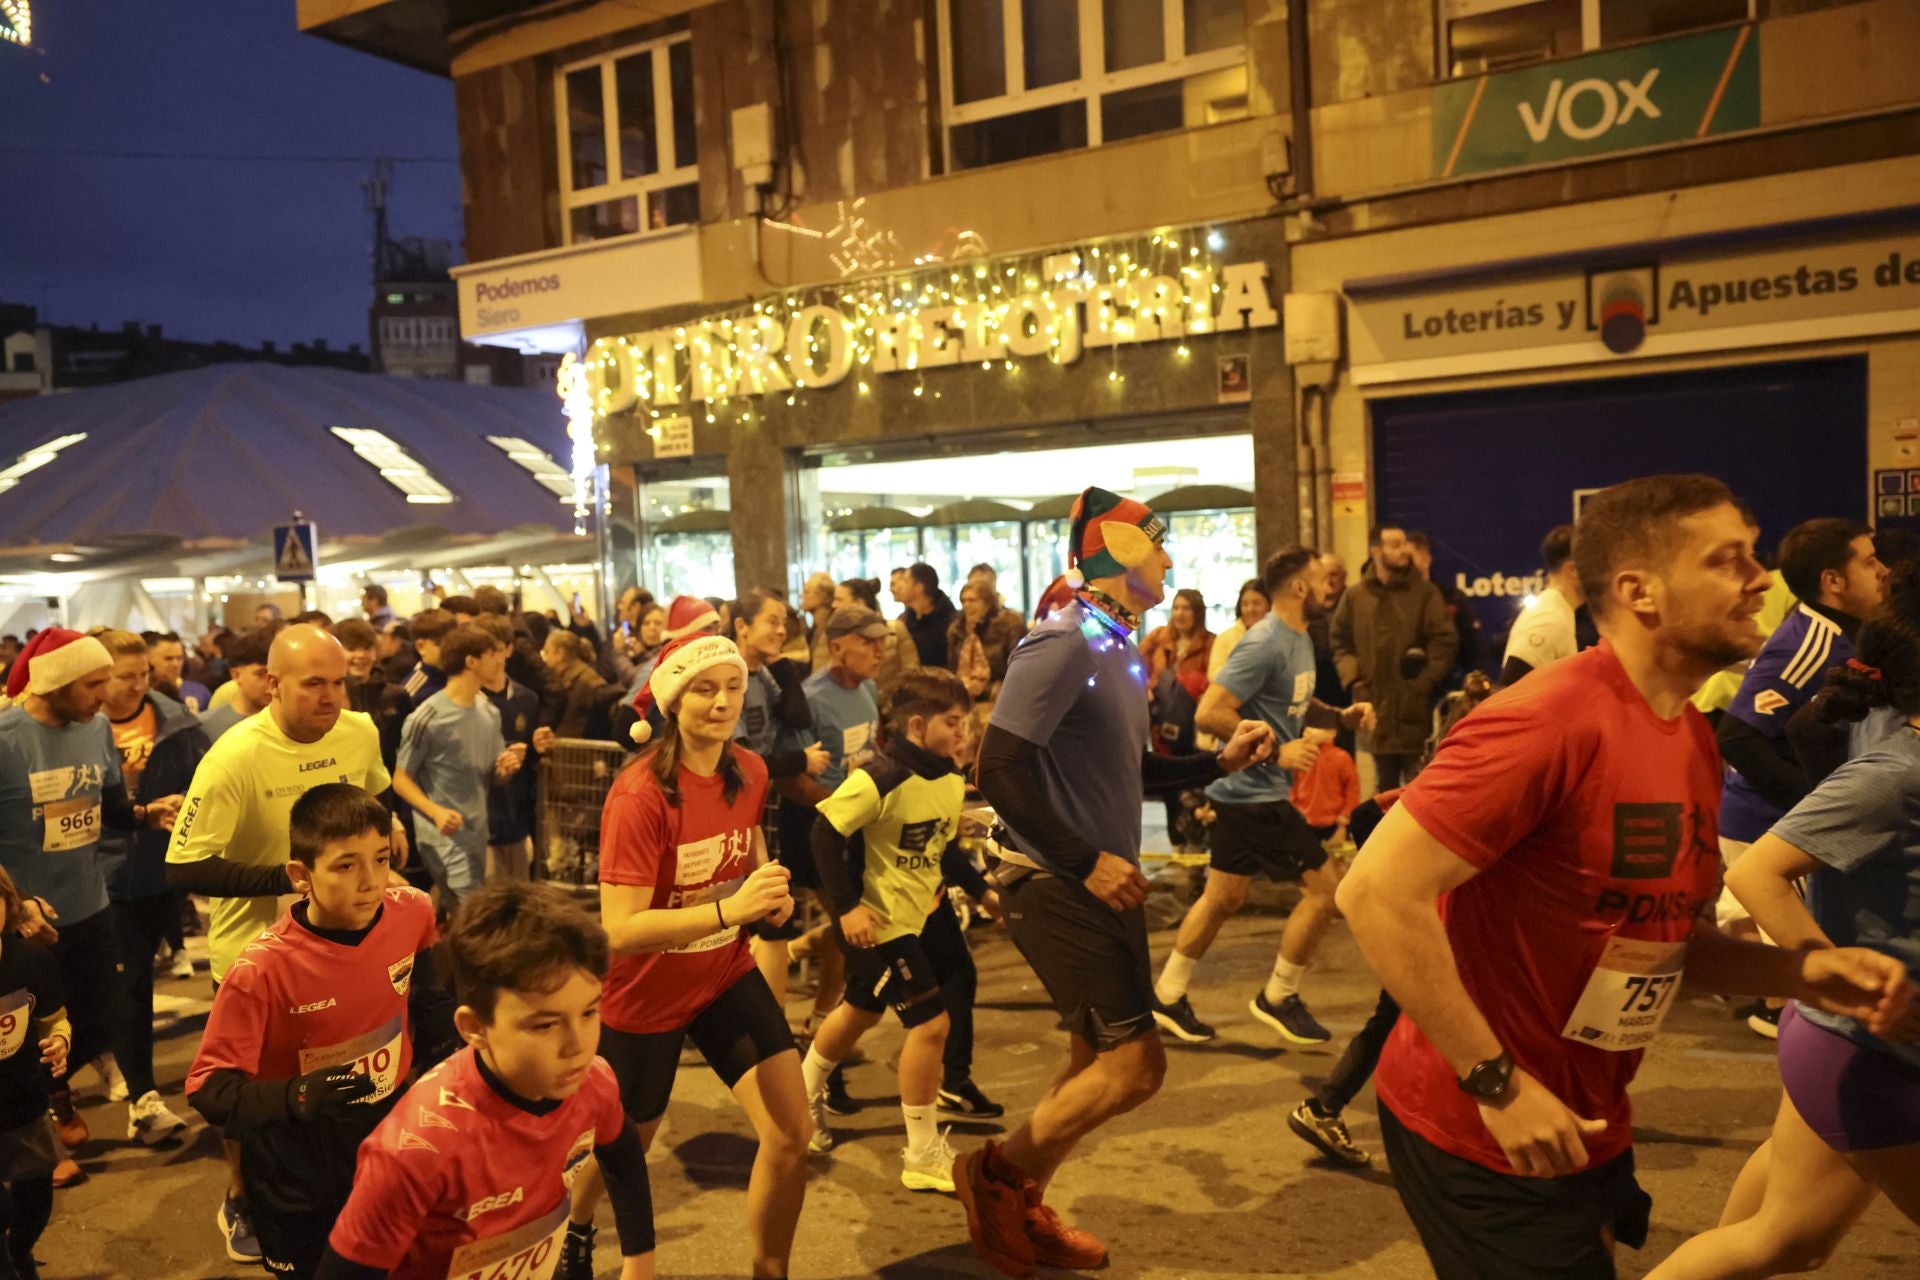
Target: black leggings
741	1029
139	927
25	1207
88	955
952	961
1362	1055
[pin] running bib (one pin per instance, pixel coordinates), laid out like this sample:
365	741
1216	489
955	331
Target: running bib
720	938
16	1018
375	1055
530	1253
1628	996
71	824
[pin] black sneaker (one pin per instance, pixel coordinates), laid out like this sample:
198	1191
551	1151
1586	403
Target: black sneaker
576	1255
1328	1134
1291	1019
839	1101
1179	1021
963	1100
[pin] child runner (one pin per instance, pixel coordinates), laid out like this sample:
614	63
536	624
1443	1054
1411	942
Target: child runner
904	808
683	867
467	1178
1849	1122
451	754
33	1015
310	1034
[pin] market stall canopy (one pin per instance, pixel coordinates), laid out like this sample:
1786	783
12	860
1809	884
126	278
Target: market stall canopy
872	519
228	451
973	511
1200	497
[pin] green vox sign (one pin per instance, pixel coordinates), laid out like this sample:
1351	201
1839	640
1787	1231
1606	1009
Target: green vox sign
1690	87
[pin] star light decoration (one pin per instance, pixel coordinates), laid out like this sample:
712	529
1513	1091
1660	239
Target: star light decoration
577	401
16	22
718	365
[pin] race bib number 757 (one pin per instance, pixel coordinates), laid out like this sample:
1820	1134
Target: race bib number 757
1628	996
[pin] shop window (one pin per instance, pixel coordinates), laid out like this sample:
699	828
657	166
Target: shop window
1024	78
629	158
1478	36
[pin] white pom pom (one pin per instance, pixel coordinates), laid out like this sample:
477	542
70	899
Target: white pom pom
641	731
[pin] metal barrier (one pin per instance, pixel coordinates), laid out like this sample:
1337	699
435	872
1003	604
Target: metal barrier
575	776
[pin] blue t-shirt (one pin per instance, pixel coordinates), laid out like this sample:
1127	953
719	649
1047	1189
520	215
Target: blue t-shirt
1271	671
1077	688
1863	825
51	781
1789	670
450	751
846	721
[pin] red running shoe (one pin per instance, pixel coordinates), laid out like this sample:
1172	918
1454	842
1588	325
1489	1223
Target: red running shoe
995	1198
1058	1245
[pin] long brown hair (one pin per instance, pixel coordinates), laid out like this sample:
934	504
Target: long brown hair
664	759
10	896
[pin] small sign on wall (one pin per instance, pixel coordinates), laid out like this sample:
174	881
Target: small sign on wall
1236	380
1896	492
673	438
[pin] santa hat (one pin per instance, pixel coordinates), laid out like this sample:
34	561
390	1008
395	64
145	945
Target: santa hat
1111	534
680	663
54	659
688	615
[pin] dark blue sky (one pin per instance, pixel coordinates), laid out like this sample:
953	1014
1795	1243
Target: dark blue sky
211	248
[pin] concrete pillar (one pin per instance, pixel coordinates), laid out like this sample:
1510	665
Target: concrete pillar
757	497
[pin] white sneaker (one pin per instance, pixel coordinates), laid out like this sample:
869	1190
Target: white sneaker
151	1121
182	964
110	1076
930	1169
822	1139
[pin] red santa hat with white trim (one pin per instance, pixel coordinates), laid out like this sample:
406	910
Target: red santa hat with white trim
690	615
680	663
54	659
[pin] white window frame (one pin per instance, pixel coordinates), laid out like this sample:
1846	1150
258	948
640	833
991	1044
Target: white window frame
675	169
1089	87
1451	11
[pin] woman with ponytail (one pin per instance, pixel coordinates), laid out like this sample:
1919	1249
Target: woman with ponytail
1848	1127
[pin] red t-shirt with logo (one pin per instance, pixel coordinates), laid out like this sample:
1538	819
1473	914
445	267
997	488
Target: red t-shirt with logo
295	1001
697	852
458	1183
1593	825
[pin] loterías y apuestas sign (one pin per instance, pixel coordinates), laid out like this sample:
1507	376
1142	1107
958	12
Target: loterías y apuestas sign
974	315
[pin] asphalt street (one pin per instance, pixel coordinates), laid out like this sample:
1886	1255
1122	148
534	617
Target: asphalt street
1204	1181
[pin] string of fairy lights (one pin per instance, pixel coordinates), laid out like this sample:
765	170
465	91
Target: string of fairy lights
994	315
16	22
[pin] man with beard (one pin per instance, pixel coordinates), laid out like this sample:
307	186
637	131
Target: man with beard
1065	764
1537	895
1268	677
1394	643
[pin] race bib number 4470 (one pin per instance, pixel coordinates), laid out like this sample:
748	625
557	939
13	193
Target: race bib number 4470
1628	996
530	1252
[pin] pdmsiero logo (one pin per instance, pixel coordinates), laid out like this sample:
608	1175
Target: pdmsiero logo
484	292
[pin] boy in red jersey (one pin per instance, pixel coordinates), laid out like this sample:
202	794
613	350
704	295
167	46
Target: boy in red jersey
310	1035
468	1178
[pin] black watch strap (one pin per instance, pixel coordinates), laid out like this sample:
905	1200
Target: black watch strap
1488	1081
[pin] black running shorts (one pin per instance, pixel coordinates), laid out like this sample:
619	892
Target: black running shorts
1270	839
1477	1224
894	975
291	1243
741	1029
1092	959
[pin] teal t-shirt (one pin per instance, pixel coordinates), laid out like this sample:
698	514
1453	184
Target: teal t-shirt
846	721
51	782
1271	672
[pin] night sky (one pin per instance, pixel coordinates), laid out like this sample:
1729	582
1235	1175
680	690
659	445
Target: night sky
242	245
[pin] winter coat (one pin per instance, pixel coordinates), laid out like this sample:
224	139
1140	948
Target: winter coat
140	869
1374	626
930	632
1161	649
997	633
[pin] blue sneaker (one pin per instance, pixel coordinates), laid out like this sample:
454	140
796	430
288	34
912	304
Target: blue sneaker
237	1229
1291	1019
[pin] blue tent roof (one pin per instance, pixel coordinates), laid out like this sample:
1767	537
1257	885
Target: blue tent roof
230	450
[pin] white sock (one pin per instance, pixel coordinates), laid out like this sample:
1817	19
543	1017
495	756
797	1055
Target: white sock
922	1127
814	1071
1284	981
1174	978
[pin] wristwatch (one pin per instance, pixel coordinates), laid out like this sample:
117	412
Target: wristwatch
1489	1080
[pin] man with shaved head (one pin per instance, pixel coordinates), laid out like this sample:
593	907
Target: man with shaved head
230	840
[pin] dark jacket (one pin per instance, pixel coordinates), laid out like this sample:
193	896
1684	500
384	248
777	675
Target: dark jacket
929	632
1376	628
139	870
511	804
569	699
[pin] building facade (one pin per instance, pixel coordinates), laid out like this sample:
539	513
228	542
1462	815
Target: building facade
861	283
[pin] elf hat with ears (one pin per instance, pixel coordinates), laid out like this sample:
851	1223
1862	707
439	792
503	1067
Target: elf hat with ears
1111	534
680	663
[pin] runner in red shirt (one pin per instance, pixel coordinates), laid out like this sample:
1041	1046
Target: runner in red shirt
1534	899
683	868
311	1034
468	1177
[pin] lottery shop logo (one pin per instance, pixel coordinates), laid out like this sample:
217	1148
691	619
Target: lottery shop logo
1647	838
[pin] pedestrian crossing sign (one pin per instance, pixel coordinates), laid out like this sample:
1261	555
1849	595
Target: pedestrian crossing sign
294	552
